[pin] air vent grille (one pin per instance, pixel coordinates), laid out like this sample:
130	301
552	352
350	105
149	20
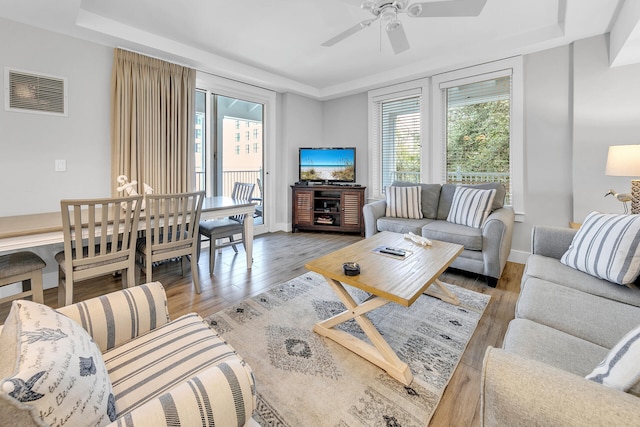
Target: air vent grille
36	93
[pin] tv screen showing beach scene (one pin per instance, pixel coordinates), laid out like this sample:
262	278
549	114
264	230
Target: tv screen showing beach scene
328	164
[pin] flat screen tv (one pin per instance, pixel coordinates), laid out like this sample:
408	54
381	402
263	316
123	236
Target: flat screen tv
328	164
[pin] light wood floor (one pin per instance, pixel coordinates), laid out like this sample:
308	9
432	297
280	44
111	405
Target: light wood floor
281	256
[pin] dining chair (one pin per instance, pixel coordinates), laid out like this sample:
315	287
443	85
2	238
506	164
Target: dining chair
23	267
99	238
171	231
219	229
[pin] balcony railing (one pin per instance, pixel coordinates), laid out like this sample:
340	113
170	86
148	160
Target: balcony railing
231	177
459	177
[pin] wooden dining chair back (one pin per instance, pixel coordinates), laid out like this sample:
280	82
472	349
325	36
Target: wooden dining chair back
99	238
217	230
171	232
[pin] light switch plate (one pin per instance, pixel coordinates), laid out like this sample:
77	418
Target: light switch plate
61	166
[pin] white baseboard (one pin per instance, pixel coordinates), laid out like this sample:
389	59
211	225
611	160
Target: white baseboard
519	257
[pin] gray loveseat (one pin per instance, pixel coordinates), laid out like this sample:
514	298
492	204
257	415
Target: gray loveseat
486	249
565	324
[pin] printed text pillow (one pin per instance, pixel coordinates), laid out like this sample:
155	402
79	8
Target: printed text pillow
404	202
470	206
607	246
51	369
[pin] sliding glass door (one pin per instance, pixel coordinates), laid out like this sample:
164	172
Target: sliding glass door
229	146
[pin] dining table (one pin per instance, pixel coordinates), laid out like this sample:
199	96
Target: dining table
40	229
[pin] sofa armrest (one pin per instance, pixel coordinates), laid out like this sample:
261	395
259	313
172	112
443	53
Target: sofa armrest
224	395
497	233
121	316
516	391
371	212
551	241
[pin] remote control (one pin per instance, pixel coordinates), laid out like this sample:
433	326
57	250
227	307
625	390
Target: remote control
391	251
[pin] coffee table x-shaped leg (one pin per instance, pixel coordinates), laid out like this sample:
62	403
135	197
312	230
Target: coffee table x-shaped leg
379	352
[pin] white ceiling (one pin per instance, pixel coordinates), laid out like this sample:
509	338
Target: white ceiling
277	43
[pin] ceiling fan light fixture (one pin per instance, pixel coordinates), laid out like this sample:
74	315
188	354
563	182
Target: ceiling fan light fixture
414	10
393	25
388	14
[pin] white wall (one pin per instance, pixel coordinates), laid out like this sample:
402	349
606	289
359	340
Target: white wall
300	126
345	125
30	143
606	112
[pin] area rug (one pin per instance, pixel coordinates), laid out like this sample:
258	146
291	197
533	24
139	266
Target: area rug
303	379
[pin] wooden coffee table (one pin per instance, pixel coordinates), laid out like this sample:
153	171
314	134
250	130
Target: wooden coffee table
387	279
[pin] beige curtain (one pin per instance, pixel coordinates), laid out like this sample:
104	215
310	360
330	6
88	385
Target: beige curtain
152	121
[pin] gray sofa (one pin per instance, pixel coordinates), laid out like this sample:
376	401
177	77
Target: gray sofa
565	324
486	249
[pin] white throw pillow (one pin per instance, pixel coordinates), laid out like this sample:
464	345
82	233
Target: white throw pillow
52	369
621	368
404	202
607	246
470	206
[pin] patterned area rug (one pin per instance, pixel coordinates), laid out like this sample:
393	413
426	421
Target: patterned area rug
303	379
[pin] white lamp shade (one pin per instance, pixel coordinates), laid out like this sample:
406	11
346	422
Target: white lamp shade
623	160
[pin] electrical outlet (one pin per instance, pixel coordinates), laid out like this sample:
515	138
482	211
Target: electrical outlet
61	166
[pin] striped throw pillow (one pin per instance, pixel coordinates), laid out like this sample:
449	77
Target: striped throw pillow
404	202
470	206
620	369
607	246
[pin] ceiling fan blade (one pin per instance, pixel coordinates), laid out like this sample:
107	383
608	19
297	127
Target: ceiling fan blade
397	37
446	8
351	31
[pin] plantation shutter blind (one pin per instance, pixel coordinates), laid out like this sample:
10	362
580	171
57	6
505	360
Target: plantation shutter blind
397	124
462	162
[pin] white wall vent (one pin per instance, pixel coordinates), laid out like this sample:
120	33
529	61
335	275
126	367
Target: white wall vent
29	92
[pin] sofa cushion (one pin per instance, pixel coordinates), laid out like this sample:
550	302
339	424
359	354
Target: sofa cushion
430	195
550	269
158	361
599	320
620	369
403	202
402	225
470	206
469	237
448	190
51	368
607	246
551	346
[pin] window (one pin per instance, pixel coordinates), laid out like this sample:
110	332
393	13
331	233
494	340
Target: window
246	149
237	149
477	132
237	137
255	134
256	147
477	127
248	134
396	130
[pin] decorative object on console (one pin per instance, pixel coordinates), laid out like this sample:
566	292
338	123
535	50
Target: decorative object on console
624	160
624	198
606	246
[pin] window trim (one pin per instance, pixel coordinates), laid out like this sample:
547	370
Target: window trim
510	66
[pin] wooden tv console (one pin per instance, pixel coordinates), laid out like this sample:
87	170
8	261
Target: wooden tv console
327	208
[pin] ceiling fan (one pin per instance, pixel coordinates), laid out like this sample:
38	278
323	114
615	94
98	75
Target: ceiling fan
387	11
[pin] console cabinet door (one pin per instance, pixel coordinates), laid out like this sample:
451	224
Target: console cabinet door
351	208
303	200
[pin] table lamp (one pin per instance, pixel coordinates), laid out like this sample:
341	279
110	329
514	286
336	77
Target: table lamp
624	160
